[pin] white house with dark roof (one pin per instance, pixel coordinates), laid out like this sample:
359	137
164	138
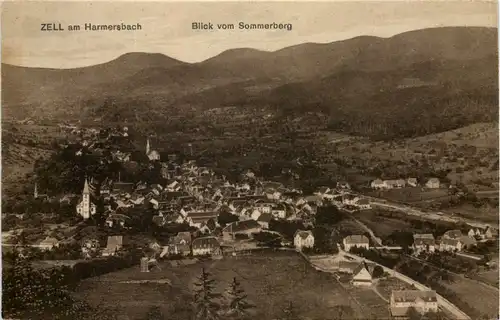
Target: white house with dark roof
423	243
303	239
378	184
432	183
363	203
246	227
279	211
450	244
363	274
206	245
422	301
356	241
47	244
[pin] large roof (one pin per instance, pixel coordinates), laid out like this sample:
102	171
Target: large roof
356	239
205	242
413	295
240	226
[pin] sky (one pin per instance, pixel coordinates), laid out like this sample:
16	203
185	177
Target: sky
166	26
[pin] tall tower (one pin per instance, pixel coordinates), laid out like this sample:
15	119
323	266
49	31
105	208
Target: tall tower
147	146
35	192
86	200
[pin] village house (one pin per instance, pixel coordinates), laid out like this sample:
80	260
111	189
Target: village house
180	244
264	207
303	239
432	183
350	199
363	204
114	244
412	182
198	218
480	233
206	245
362	272
264	220
378	184
247	228
255	214
448	244
403	300
47	244
393	184
452	234
116	219
423	243
322	191
358	241
279	211
343	185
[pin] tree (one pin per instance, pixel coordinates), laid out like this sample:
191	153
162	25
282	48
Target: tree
155	313
206	306
378	271
290	313
238	305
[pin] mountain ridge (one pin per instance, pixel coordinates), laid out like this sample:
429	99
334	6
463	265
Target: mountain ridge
157	84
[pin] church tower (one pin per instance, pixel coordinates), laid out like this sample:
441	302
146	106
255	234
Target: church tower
147	147
86	200
86	208
35	192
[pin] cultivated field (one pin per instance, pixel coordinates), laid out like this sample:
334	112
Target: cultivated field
481	297
487	214
270	282
411	195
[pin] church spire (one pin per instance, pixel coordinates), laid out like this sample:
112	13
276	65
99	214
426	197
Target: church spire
86	187
147	146
35	192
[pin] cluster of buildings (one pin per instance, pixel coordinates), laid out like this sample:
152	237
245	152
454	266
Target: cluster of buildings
452	240
343	198
379	184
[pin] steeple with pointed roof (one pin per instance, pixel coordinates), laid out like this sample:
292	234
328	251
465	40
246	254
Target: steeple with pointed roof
148	147
86	189
35	192
85	207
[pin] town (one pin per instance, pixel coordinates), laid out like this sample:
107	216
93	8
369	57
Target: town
151	214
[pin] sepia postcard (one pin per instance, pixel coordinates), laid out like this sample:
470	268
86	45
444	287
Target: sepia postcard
299	160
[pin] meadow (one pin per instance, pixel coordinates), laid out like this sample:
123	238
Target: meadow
271	281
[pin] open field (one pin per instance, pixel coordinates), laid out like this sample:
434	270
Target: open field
351	227
486	213
270	282
481	297
410	195
382	226
379	309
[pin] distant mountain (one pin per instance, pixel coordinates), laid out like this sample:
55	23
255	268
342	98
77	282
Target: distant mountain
381	78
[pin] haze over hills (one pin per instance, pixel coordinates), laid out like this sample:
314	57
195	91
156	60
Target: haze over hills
449	71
